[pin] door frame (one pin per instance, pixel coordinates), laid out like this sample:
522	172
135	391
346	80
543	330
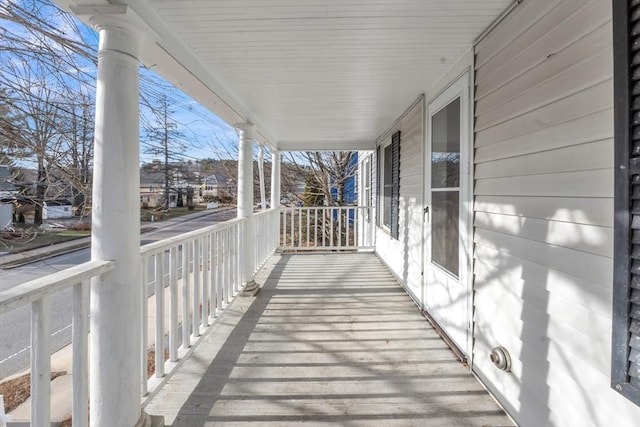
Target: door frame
460	86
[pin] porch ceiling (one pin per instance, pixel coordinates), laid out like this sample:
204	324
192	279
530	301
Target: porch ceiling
309	74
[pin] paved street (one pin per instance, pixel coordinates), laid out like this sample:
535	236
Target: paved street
15	326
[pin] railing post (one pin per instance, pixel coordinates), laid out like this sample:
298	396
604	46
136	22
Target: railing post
144	325
204	309
4	418
159	293
80	342
41	362
195	320
186	284
173	295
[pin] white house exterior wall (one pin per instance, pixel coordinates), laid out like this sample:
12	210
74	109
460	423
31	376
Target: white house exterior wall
544	214
403	256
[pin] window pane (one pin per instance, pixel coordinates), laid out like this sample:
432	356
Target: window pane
444	235
445	154
386	204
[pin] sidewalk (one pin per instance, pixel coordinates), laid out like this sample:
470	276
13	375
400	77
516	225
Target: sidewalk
26	257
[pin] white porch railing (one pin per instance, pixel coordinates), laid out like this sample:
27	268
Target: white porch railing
194	276
266	232
38	293
330	228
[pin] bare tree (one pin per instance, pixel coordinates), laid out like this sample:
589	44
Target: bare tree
164	138
41	108
327	174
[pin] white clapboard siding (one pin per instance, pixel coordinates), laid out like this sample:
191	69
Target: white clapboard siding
574	54
530	50
596	183
404	256
592	155
543	253
579	210
564	110
587	238
595	68
504	273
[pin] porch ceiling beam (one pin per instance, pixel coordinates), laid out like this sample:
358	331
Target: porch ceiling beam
337	145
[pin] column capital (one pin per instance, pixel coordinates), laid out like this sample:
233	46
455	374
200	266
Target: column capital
247	130
122	16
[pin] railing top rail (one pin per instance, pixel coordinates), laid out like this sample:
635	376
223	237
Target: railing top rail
33	290
268	211
176	240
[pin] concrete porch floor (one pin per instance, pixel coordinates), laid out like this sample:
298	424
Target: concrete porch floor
331	339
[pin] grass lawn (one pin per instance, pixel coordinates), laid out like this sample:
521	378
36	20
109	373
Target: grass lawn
26	240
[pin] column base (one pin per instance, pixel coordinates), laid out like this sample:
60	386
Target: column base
147	420
250	289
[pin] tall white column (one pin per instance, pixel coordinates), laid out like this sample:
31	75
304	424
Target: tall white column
245	206
275	179
116	299
263	198
275	193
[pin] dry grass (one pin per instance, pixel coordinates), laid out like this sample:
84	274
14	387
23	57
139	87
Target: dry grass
17	390
151	361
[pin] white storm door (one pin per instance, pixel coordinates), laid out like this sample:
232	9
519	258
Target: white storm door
448	196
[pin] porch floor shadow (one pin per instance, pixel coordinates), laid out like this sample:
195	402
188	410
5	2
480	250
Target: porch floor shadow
331	339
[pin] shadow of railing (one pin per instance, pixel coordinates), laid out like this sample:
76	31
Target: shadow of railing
337	349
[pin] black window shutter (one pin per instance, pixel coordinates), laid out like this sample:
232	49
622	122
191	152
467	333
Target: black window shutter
378	189
395	184
625	366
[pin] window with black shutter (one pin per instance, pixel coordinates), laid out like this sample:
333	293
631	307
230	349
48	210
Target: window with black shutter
626	291
388	185
395	183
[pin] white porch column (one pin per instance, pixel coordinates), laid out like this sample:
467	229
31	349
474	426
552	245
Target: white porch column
275	179
245	206
275	193
263	198
116	299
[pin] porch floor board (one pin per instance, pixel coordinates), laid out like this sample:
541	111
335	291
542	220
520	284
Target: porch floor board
331	339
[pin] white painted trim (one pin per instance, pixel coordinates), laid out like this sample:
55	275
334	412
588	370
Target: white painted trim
497	21
471	203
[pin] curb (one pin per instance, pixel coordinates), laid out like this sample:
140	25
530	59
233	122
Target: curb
20	259
28	259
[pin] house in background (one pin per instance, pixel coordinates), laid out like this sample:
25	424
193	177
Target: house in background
7	197
216	186
349	187
151	188
152	183
56	209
